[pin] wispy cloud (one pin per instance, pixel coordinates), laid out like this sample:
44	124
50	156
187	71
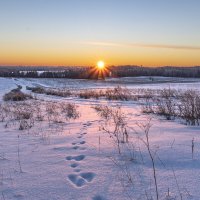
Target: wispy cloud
160	46
164	46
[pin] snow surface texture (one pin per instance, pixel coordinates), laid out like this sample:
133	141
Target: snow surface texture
80	161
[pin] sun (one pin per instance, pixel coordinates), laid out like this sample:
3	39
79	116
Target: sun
100	65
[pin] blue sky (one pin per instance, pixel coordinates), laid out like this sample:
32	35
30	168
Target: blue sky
95	25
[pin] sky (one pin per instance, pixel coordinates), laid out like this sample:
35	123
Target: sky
81	32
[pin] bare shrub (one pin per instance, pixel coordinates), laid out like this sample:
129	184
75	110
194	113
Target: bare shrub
117	118
146	93
58	92
27	114
175	104
23	113
118	93
88	94
18	156
58	112
147	106
16	96
38	90
165	105
53	112
167	93
38	111
145	127
4	111
26	124
189	107
103	111
53	92
69	110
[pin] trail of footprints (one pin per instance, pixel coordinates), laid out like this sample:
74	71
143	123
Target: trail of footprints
79	179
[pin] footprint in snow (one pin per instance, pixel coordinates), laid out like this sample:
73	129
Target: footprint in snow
79	182
76	158
98	197
77	170
83	142
74	165
75	147
81	179
82	134
89	124
79	148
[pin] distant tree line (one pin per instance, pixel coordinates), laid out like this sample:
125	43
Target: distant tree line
132	71
70	72
91	73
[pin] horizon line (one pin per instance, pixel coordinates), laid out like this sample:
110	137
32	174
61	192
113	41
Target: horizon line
124	65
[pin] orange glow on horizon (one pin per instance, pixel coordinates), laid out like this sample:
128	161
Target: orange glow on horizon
30	55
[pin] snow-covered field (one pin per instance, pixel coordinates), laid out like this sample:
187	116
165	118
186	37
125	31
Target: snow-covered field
129	82
77	160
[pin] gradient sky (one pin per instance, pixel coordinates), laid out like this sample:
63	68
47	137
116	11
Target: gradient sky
81	32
